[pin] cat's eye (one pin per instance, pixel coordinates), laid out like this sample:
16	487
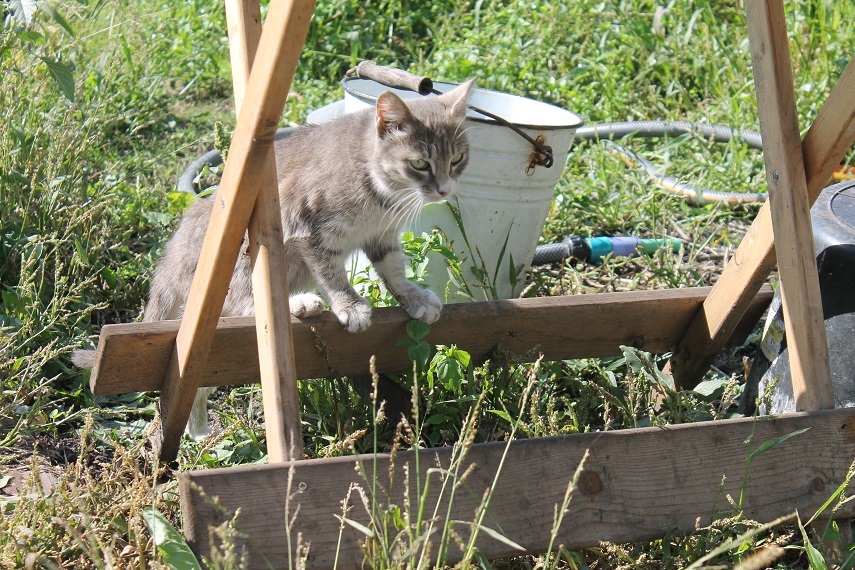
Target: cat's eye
420	164
457	159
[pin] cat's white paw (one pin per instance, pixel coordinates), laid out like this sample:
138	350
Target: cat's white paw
422	304
306	305
355	317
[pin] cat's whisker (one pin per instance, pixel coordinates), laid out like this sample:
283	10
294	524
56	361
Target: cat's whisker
457	135
406	201
394	221
399	211
391	211
414	207
415	210
416	218
416	213
395	208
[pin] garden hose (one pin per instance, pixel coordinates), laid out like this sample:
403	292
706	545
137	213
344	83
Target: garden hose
187	180
608	132
595	249
577	247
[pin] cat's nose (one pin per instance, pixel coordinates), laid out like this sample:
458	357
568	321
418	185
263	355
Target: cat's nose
445	188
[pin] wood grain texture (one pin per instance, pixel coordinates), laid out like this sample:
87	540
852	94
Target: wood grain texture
790	206
636	485
826	143
243	21
251	150
277	366
269	269
133	357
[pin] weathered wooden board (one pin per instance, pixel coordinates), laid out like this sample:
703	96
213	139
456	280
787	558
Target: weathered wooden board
636	485
269	269
251	151
133	357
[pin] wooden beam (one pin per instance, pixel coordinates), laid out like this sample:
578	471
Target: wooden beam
133	357
790	206
269	270
826	143
249	153
637	484
243	21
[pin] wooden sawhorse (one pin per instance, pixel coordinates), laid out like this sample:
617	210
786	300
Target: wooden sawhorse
635	485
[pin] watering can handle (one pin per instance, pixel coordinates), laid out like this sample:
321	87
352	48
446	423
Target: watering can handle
391	77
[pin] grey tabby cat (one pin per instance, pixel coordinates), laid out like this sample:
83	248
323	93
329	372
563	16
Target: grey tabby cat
345	185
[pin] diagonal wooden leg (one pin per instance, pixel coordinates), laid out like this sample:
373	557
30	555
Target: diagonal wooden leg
250	154
788	198
269	269
789	208
824	146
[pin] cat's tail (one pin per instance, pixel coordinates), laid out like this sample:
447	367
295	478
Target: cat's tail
83	358
163	303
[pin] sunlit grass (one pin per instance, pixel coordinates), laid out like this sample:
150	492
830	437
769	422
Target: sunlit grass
85	207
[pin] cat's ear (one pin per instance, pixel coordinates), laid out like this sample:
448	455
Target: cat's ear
392	114
457	98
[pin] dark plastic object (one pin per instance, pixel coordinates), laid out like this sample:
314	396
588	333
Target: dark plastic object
571	247
833	219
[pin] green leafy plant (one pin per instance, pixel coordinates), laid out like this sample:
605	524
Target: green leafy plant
86	205
18	33
480	269
417	348
169	542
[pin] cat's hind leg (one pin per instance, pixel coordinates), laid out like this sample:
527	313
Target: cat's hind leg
197	426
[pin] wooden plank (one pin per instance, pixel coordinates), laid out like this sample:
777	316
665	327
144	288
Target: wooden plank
251	148
278	371
790	206
636	485
133	357
243	20
269	270
826	143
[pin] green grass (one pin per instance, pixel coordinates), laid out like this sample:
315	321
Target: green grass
87	176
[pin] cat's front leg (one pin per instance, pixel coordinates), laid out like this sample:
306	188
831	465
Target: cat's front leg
352	311
306	305
388	260
327	270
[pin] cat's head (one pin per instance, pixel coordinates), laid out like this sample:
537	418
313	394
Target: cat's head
421	144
